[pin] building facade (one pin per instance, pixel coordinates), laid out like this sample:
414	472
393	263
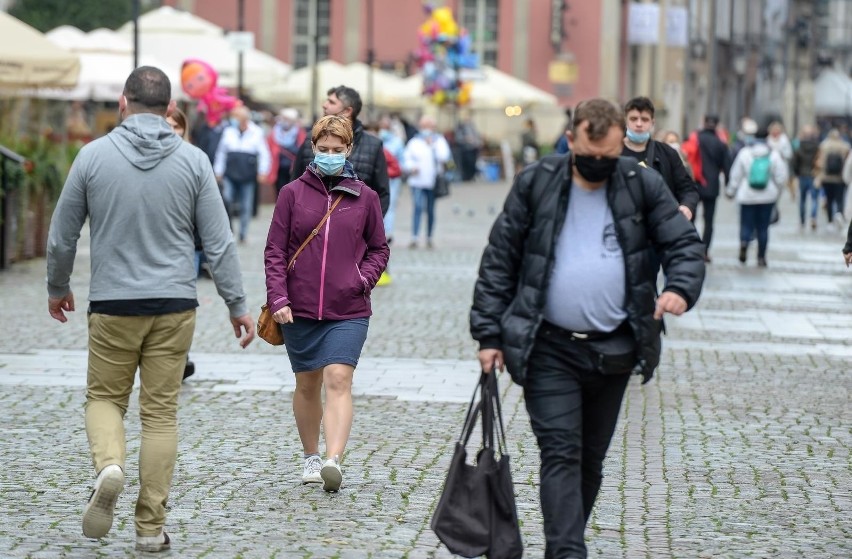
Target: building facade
570	49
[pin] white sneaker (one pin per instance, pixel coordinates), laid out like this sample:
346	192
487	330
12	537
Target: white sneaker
98	512
160	542
332	477
311	473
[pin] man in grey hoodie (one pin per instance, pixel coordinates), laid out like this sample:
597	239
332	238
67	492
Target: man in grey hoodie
144	191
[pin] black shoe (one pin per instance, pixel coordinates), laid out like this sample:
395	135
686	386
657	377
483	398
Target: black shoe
189	369
707	258
743	254
761	262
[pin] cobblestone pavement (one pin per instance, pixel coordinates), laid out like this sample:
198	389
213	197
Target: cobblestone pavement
740	447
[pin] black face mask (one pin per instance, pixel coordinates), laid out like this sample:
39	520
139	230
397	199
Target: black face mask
595	169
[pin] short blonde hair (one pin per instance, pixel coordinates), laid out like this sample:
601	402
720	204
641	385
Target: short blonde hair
333	125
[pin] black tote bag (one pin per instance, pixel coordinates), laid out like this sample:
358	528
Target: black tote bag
476	514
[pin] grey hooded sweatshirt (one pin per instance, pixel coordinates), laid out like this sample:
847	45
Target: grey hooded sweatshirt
144	191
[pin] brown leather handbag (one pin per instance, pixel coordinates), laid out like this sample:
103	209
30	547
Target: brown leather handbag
269	330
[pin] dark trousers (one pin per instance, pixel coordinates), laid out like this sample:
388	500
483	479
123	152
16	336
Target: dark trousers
754	222
573	411
709	205
833	199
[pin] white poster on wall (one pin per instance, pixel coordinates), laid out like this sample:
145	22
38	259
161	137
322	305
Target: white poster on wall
677	31
643	24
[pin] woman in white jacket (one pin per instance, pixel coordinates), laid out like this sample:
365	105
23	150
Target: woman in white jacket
424	158
757	177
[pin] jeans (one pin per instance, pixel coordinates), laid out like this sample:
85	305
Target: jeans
573	411
833	199
158	346
806	186
424	198
709	205
241	194
754	221
395	185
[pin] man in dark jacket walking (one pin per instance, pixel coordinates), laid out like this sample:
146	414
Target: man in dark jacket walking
715	160
367	157
639	114
566	299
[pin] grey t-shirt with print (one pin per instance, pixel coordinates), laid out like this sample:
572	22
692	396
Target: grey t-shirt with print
587	288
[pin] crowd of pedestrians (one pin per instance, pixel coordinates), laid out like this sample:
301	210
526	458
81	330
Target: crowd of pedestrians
566	297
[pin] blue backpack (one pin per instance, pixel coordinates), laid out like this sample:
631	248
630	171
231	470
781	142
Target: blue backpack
759	173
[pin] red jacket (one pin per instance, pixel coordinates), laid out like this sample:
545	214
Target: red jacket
275	151
333	276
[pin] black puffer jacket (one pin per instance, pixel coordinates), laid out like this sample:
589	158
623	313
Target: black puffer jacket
510	294
668	163
368	159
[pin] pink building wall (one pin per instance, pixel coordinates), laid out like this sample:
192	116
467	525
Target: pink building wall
395	28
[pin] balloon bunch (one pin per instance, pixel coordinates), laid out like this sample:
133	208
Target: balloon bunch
198	80
443	50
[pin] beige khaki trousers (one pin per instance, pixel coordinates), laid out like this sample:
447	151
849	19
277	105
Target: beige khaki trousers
157	346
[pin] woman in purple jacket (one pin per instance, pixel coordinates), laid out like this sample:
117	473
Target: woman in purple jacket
321	297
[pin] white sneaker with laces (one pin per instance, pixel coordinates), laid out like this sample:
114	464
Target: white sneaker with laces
98	512
332	477
311	472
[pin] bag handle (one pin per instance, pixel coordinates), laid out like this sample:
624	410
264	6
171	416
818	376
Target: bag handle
314	233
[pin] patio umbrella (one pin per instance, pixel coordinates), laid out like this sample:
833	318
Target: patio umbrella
28	59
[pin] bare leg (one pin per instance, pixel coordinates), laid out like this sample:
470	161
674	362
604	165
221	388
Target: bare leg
338	408
307	408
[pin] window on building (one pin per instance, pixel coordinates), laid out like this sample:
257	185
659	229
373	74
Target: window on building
481	19
302	38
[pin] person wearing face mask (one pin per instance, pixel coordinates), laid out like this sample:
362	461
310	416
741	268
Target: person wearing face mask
396	147
565	300
320	272
424	159
284	140
242	164
367	157
639	114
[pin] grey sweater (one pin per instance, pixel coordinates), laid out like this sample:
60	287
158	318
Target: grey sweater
144	191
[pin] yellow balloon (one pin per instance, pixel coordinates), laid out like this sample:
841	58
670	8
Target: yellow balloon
464	96
446	23
439	97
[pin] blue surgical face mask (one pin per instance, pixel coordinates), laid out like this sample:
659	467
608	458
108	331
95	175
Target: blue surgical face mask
638	137
329	164
235	123
385	135
749	139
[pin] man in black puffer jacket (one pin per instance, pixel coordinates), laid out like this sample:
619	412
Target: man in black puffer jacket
639	114
566	298
368	156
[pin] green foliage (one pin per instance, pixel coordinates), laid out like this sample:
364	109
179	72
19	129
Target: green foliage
87	15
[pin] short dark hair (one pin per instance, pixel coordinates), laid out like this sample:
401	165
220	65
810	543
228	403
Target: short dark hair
711	120
601	116
349	97
641	104
148	88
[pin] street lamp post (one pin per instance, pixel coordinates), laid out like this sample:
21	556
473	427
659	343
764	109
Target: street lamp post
740	64
371	59
135	34
241	26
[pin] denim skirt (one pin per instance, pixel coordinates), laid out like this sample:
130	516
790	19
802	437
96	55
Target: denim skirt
313	344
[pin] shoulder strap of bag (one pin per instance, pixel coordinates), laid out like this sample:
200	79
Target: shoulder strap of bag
314	233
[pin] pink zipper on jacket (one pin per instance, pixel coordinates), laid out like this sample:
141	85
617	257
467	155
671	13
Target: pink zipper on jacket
324	253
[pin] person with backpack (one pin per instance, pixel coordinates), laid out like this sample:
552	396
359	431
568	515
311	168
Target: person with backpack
804	163
757	177
829	163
